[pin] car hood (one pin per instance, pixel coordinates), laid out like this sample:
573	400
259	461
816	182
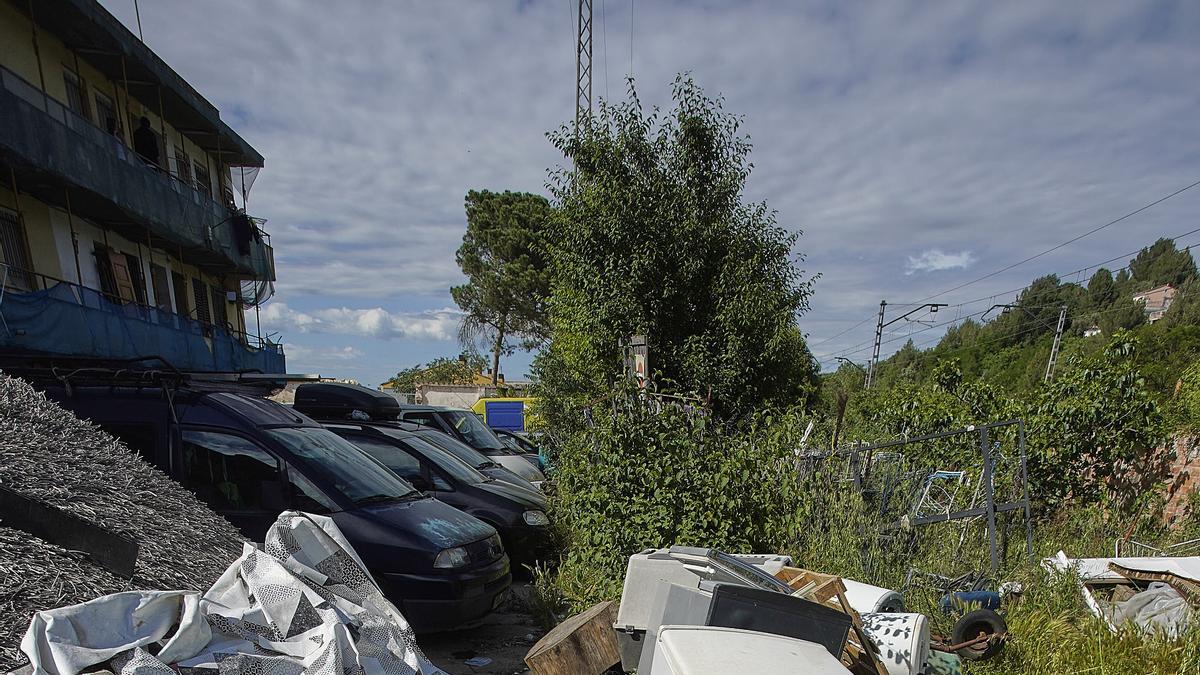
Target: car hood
502	474
520	466
425	524
526	498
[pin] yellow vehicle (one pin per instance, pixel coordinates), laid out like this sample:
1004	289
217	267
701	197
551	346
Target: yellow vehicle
507	413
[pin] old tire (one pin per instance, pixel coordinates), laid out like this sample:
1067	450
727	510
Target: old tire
976	623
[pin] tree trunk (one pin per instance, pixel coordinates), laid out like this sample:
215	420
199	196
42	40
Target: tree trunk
497	347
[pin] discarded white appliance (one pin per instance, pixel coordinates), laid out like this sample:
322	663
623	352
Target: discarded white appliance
685	566
901	638
303	603
712	650
745	608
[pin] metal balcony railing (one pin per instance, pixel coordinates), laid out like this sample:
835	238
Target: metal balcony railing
62	318
52	139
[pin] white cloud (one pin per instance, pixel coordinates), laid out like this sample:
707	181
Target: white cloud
878	128
434	324
936	260
297	352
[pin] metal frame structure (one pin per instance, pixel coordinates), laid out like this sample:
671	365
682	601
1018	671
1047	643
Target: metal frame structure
990	508
583	63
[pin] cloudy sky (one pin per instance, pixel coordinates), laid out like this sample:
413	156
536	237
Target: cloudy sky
918	146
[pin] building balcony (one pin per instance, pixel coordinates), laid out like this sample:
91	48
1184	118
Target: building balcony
61	319
50	148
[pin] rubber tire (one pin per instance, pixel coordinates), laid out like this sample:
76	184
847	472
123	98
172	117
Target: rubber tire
974	623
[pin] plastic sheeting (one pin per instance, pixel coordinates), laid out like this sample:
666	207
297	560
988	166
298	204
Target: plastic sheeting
1159	607
75	321
304	604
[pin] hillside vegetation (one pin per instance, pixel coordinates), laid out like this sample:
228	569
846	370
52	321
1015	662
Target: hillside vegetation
739	444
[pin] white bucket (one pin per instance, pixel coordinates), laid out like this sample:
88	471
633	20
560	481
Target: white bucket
901	638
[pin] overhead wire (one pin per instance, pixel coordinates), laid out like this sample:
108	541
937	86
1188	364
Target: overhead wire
1065	243
856	348
1021	262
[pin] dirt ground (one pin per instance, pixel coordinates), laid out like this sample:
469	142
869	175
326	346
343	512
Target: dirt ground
504	637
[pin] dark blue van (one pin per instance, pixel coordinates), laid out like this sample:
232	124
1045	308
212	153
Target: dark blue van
249	459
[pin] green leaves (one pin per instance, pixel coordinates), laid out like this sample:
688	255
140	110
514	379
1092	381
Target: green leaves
651	237
441	370
504	256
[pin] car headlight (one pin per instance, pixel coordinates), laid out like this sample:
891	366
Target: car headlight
535	518
451	558
496	546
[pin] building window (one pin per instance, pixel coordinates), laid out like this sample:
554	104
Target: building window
203	183
201	301
183	165
120	276
162	294
14	252
182	306
106	115
136	277
220	314
76	100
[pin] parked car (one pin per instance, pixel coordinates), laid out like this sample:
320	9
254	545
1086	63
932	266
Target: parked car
339	401
517	441
484	464
519	515
468	428
249	459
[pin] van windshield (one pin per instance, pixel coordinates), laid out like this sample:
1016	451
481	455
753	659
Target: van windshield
474	431
359	478
443	459
457	448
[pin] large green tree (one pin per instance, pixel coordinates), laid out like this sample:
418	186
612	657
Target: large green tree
1162	263
653	237
503	255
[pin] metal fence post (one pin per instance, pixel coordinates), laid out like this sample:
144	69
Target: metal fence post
989	495
1025	491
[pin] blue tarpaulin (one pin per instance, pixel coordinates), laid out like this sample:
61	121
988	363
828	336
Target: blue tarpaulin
69	320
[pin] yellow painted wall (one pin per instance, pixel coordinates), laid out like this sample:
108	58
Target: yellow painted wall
16	43
17	54
36	217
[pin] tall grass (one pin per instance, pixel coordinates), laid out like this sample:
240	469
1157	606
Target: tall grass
641	480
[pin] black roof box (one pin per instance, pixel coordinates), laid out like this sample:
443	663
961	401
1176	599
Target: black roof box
334	400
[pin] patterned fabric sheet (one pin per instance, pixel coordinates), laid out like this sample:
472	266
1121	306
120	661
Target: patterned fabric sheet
304	604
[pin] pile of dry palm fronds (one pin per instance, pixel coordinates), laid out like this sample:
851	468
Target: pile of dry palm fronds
48	454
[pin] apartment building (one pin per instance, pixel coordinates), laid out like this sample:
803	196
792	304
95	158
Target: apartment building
120	239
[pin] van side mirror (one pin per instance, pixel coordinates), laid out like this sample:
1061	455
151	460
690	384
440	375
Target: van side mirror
420	483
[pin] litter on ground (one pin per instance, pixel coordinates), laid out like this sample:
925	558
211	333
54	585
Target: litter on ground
303	603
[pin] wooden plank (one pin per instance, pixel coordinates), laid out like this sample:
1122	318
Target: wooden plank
584	644
859	654
114	552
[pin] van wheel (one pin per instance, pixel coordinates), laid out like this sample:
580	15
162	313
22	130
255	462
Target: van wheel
975	624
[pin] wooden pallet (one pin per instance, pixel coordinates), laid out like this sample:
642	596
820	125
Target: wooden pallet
859	655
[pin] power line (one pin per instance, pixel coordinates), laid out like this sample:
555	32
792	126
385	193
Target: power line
1030	258
854	349
1067	242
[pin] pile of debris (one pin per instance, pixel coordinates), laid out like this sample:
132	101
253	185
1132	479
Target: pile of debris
83	516
1155	594
693	611
302	603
